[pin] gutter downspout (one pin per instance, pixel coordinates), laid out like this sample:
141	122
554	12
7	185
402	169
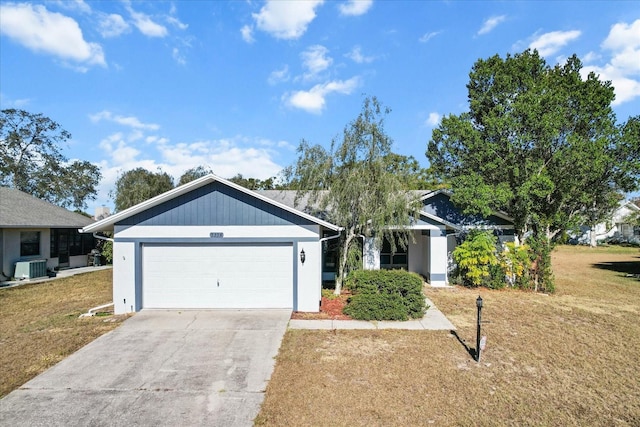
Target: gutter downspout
108	239
324	239
92	311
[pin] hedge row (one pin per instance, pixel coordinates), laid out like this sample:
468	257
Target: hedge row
385	295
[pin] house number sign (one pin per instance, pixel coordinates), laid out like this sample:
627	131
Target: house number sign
216	235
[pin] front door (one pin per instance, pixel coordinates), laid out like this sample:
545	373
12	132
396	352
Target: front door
63	248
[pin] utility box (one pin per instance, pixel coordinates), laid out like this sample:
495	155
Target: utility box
31	269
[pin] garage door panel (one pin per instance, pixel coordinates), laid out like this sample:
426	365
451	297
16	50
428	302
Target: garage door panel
207	276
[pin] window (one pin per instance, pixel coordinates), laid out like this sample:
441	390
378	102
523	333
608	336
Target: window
29	243
330	258
69	241
390	260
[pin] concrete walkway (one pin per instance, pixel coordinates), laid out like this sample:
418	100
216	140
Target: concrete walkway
433	320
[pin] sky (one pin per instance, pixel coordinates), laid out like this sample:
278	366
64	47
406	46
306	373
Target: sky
236	85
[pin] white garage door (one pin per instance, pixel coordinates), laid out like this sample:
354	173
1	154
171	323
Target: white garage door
225	276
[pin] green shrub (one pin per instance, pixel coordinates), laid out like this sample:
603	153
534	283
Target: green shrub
385	295
475	258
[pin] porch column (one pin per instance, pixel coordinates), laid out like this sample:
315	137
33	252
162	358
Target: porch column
438	257
370	254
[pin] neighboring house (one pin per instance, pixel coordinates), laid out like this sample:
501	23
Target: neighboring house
214	244
618	227
32	229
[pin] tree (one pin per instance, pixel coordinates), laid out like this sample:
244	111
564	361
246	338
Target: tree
255	183
31	161
415	176
539	143
137	185
194	173
353	183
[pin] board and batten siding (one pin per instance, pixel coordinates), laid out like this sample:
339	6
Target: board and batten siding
215	204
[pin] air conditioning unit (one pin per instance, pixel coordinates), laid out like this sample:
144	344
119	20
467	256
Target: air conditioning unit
30	269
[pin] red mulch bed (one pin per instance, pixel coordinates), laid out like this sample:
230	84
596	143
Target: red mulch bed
330	308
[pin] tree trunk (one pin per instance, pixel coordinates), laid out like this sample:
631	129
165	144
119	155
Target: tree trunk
342	264
592	237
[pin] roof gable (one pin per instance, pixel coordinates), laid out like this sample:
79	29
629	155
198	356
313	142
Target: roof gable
215	204
439	205
228	203
21	210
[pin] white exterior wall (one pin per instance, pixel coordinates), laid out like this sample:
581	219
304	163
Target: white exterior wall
438	247
309	275
124	277
417	261
370	255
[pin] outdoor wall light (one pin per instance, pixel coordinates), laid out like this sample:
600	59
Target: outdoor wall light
303	256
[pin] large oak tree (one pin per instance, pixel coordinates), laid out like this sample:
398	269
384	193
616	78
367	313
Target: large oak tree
31	161
540	143
137	185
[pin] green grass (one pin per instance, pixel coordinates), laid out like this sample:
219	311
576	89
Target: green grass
39	324
567	359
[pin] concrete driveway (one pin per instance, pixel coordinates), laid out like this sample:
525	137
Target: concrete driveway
159	368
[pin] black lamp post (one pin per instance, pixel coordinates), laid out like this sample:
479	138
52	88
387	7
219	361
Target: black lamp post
479	305
303	256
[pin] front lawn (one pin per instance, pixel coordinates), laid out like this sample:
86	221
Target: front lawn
570	358
39	324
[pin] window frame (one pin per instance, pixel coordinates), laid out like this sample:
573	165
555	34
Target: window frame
30	247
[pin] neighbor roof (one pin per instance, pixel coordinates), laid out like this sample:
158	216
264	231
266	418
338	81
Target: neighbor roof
21	210
107	223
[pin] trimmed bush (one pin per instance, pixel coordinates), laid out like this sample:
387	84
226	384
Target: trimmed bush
385	295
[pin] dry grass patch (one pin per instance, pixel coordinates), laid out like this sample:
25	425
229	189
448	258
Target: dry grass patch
568	359
39	324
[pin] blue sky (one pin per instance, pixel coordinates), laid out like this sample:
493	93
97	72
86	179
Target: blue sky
236	85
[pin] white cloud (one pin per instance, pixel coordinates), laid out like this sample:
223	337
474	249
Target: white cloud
433	119
176	22
356	56
53	33
624	42
549	43
428	36
146	25
13	103
278	76
129	121
112	25
590	57
315	60
623	68
247	34
227	157
623	35
314	100
78	5
355	7
286	19
178	56
491	23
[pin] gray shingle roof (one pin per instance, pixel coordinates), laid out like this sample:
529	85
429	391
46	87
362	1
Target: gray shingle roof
21	210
